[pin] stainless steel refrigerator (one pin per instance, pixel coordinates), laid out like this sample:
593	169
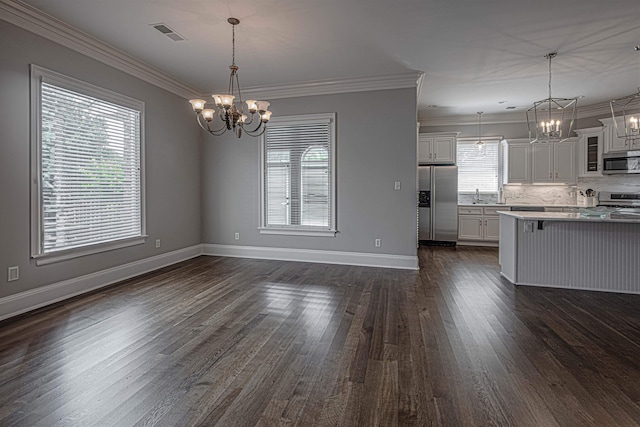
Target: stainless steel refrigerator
438	204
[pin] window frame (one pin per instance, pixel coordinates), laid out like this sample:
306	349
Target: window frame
299	230
498	140
38	75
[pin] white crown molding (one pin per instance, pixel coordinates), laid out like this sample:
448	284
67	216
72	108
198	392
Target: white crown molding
309	255
411	79
34	20
593	110
23	302
472	119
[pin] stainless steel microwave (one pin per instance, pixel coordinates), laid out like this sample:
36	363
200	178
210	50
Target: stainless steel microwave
622	162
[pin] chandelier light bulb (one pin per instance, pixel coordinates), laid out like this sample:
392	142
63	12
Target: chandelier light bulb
262	106
207	114
197	104
227	100
252	106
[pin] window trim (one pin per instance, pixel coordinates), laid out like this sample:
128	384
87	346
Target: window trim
498	140
38	75
302	230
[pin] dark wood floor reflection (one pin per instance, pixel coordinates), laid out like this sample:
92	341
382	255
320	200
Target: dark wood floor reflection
234	342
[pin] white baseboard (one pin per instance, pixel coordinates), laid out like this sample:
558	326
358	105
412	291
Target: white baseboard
30	300
309	255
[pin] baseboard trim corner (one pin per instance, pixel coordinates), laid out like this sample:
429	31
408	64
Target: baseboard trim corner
23	302
404	262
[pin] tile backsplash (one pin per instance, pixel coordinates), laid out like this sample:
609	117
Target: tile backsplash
540	194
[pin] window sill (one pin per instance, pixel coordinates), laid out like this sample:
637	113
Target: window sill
297	232
53	257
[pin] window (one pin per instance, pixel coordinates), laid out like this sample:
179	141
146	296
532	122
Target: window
478	165
298	176
87	183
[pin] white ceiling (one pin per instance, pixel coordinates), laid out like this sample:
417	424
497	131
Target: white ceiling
475	54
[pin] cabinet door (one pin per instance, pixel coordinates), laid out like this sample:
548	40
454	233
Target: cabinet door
424	149
615	143
564	162
470	227
518	169
444	150
589	151
542	162
491	228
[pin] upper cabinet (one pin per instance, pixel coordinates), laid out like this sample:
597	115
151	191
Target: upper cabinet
516	162
611	140
590	147
437	148
526	163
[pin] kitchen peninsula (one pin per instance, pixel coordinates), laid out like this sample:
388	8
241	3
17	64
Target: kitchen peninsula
571	250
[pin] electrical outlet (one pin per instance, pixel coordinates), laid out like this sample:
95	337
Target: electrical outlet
157	243
237	236
528	226
378	243
13	273
397	185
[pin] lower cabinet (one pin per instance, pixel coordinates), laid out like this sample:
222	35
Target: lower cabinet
479	224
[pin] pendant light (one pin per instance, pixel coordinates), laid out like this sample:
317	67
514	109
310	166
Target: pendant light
480	144
230	111
551	119
628	109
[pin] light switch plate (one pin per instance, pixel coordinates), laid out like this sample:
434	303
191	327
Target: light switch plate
397	185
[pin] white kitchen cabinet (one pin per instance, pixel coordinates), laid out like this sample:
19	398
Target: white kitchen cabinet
516	162
590	147
470	227
492	228
479	224
612	142
437	148
553	162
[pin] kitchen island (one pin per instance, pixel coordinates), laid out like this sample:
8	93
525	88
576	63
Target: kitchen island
571	250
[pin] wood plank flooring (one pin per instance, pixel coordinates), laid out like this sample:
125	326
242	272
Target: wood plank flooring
239	342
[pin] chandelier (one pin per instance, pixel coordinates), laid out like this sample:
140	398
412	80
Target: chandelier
480	144
551	119
629	109
230	112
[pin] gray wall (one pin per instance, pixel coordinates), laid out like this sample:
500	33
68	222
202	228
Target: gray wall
172	161
376	146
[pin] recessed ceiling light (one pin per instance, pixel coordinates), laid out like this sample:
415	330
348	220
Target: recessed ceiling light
511	108
581	96
432	106
502	102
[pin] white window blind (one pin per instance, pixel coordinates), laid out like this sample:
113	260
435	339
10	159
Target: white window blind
298	174
89	168
478	166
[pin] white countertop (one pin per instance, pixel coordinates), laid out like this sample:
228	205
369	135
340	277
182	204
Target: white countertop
567	216
509	205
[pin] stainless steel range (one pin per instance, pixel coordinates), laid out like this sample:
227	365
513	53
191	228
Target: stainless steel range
621	205
619	199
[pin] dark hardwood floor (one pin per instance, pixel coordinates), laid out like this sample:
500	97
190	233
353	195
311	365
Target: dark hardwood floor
235	342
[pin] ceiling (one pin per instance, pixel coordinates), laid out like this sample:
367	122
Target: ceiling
476	55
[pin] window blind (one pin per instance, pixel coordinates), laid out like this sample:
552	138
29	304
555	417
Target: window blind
297	175
90	178
478	167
